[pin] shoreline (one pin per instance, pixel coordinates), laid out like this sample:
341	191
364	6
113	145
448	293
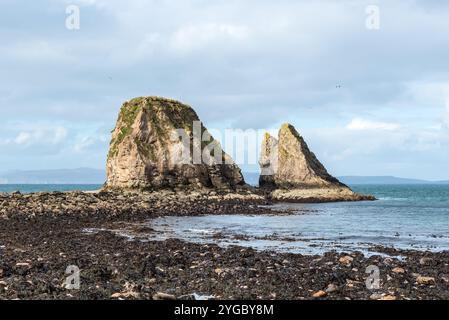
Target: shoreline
42	234
161	202
37	249
36	253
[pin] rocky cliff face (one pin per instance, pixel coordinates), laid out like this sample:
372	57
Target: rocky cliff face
291	163
268	162
158	143
293	173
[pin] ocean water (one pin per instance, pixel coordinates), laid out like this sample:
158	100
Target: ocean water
405	217
30	188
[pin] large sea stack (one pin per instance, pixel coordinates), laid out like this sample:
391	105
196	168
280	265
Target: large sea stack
158	144
291	172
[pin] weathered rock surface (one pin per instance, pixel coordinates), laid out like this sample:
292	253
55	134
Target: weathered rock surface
147	151
112	205
268	162
291	172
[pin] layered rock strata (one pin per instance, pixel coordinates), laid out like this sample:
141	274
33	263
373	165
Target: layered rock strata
291	172
160	143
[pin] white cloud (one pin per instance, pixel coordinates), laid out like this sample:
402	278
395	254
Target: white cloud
192	37
381	152
32	136
87	142
446	116
60	133
236	62
362	124
41	50
22	138
83	144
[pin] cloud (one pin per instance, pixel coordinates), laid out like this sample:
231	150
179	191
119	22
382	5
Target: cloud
22	138
397	152
446	116
90	142
247	64
361	124
199	36
32	135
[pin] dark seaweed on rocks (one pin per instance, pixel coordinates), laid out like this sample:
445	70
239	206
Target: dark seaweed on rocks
36	254
37	246
108	205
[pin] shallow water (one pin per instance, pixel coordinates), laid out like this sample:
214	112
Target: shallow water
405	217
30	188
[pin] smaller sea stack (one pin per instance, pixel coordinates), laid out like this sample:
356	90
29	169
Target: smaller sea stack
291	172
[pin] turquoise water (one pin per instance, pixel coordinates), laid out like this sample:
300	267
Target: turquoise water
404	217
30	188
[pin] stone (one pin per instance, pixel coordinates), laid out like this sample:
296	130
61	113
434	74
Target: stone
425	261
23	264
425	280
331	288
398	270
163	296
388	298
125	295
376	296
291	172
128	292
319	294
218	271
160	143
347	260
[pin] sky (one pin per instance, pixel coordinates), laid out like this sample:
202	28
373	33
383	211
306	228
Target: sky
370	99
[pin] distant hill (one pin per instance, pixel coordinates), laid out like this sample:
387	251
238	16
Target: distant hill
385	180
252	178
61	176
97	176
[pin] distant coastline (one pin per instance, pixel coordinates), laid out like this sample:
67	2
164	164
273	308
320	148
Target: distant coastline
354	180
33	188
90	176
79	176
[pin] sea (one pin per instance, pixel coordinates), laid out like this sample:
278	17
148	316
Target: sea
31	188
404	217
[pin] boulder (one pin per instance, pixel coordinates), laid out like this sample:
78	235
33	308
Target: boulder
160	143
425	280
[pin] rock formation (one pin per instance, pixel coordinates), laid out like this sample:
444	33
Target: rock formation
291	163
268	162
291	172
160	143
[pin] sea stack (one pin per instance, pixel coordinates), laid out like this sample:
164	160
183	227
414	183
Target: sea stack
160	143
291	172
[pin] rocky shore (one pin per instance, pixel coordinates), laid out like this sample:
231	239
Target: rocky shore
109	204
36	252
151	173
317	195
